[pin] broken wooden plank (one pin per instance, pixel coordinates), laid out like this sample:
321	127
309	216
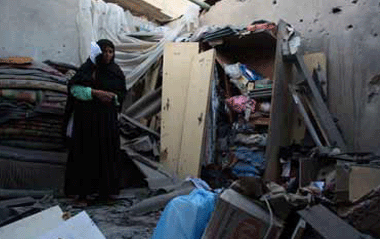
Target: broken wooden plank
33	226
176	77
318	123
198	98
139	125
319	106
318	60
327	224
312	61
140	158
306	117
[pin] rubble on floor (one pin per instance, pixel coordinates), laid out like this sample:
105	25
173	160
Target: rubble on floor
270	145
132	214
273	159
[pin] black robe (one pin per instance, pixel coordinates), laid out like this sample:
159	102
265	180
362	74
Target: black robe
94	159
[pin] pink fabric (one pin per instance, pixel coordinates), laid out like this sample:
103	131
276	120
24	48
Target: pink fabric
240	103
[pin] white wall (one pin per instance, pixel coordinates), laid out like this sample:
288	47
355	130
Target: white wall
41	28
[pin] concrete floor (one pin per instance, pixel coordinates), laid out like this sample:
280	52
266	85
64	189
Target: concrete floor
113	220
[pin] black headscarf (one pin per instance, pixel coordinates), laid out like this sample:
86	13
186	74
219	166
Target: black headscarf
111	70
103	43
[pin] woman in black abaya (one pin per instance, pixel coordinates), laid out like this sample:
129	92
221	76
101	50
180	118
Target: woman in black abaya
96	93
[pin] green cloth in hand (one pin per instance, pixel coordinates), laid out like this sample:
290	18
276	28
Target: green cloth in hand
81	92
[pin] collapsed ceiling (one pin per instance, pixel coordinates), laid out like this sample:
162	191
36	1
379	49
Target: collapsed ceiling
142	8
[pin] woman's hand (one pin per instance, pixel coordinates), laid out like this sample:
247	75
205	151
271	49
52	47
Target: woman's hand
104	96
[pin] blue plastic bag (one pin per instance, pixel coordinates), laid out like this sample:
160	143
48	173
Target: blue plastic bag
186	217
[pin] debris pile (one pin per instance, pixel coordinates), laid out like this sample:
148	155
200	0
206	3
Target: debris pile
241	108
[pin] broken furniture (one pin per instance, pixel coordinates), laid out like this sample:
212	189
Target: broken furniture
312	94
253	52
236	216
309	95
193	102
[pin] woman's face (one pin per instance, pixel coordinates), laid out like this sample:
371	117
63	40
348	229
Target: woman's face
107	54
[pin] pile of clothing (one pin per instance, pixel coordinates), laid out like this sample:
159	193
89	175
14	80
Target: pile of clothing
248	134
32	104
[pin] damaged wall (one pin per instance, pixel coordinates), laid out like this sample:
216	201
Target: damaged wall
348	33
42	29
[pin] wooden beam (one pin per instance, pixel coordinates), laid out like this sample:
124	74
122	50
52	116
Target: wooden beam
319	106
312	61
140	7
279	132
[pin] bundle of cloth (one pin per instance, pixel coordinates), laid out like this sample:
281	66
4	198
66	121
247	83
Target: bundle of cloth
32	104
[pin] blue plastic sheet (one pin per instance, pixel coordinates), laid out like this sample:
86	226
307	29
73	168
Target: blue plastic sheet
186	217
